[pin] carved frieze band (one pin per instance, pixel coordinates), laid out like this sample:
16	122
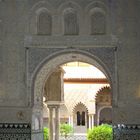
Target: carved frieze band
73	41
9	131
126	132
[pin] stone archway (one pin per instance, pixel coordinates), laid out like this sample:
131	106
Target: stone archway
103	112
103	100
49	65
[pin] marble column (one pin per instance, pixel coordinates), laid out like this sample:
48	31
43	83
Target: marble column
92	121
89	122
69	120
57	122
72	121
51	127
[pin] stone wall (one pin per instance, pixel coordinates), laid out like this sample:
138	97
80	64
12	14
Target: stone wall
18	33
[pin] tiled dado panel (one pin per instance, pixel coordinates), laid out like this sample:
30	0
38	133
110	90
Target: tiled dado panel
9	131
126	132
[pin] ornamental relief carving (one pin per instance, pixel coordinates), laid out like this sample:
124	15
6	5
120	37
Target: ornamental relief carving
69	16
41	62
37	56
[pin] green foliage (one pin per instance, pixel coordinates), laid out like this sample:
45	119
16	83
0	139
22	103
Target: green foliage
46	133
65	129
102	132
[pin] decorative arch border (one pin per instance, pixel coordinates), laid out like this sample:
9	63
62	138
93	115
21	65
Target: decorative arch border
105	87
99	111
100	90
69	4
50	63
79	103
96	4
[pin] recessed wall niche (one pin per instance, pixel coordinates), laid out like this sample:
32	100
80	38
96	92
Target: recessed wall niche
44	23
0	29
98	23
71	26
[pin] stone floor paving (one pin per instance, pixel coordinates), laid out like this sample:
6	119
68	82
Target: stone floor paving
74	137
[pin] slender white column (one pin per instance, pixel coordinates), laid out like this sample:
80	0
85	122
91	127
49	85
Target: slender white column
72	120
92	120
69	120
89	122
57	122
51	127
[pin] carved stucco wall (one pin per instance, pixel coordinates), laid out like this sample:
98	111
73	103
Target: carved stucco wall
48	53
59	20
44	65
44	23
40	67
20	27
1	83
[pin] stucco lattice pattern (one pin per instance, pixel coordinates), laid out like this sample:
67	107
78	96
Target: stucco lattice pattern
15	131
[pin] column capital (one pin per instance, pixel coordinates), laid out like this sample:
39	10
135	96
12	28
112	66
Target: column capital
56	106
91	114
50	106
53	106
54	103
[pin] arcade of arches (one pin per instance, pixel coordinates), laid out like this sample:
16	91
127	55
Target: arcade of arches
39	39
87	96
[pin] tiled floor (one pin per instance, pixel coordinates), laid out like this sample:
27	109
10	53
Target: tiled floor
74	137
